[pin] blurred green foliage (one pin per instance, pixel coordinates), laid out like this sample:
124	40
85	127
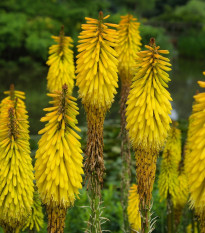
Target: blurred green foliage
26	25
186	24
160	36
192	45
192	12
25	35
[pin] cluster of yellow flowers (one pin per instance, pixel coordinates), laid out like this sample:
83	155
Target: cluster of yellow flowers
97	63
133	209
61	64
35	219
168	178
16	171
195	156
128	46
58	167
149	107
173	182
183	191
102	53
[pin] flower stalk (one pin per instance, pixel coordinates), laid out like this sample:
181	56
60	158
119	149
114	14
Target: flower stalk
94	166
148	120
58	166
194	158
16	170
170	214
128	46
97	81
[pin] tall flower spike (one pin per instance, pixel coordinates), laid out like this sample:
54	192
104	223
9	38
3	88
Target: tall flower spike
149	107
172	186
16	171
61	63
35	219
148	120
97	81
58	167
195	159
97	63
128	46
133	209
168	178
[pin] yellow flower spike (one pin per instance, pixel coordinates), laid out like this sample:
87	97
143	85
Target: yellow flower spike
61	64
194	159
97	82
133	209
58	167
168	178
148	120
148	110
128	46
97	63
16	171
35	219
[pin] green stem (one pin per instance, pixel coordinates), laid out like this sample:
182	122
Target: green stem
95	201
169	214
94	166
192	222
126	157
145	212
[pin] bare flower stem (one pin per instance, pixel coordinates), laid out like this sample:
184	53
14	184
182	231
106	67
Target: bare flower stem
95	201
125	155
145	212
94	166
170	222
56	219
145	169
